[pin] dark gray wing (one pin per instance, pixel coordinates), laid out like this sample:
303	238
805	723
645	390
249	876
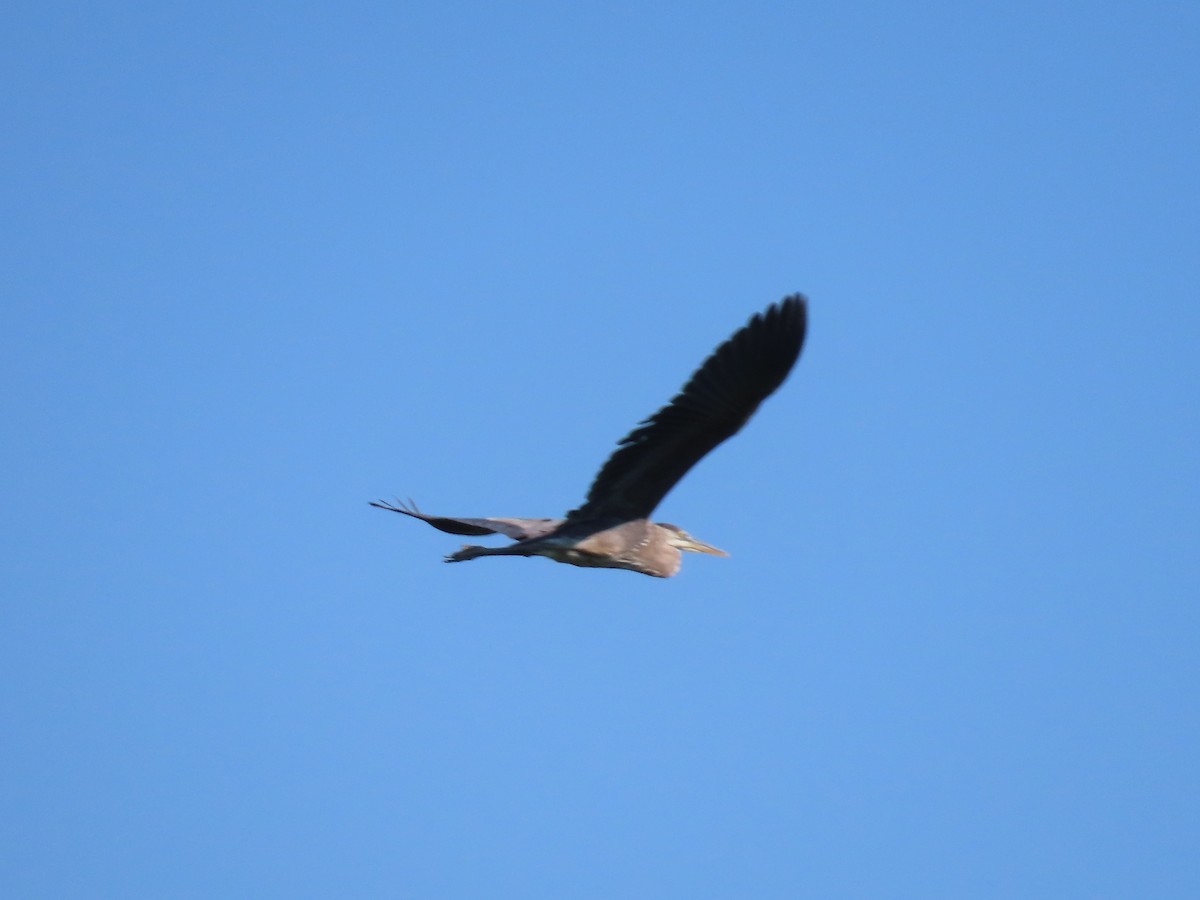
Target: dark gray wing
517	529
715	403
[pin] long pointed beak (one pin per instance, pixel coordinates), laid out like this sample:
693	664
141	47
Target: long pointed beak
690	543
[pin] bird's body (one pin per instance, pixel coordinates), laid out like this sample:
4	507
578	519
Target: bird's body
640	545
612	528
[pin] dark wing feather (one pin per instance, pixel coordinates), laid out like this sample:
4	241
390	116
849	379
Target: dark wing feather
517	529
715	403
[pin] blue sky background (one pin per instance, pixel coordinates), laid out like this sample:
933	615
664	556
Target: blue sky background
265	263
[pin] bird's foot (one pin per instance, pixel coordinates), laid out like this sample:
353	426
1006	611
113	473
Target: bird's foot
468	551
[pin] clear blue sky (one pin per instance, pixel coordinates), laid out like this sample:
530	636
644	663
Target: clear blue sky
265	263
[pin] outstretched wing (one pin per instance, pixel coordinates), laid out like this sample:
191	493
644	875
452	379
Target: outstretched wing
517	529
715	403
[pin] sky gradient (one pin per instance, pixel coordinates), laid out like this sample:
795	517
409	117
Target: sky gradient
267	264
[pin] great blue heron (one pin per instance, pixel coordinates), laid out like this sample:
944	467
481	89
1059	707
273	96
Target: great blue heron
612	528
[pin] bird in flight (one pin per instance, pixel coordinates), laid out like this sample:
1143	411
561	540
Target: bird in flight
612	529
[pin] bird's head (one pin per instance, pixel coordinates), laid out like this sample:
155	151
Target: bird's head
677	537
